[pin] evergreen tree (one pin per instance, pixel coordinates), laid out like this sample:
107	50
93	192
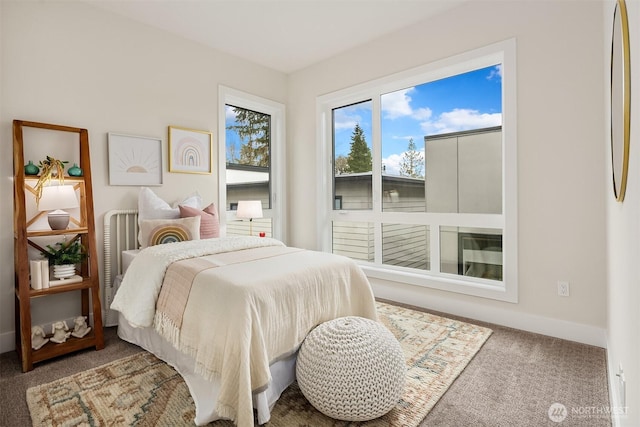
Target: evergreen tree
412	162
359	158
254	130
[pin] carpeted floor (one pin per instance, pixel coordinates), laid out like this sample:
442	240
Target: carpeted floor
513	380
143	390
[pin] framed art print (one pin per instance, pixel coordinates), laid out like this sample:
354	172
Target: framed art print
189	150
134	160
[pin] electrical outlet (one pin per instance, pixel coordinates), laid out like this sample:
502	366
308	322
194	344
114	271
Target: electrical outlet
563	288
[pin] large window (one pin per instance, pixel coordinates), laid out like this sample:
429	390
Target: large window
423	174
251	145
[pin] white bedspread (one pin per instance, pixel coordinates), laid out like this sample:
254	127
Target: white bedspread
240	317
136	299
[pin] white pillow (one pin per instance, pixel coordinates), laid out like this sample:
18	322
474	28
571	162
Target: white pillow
160	231
150	206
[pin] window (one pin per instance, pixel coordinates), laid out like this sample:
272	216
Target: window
423	166
251	145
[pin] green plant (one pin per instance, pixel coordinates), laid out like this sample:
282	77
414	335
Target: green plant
48	168
69	253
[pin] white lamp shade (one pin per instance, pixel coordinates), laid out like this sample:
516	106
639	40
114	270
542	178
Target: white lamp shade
58	197
249	209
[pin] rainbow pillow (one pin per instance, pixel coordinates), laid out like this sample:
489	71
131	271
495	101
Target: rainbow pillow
160	231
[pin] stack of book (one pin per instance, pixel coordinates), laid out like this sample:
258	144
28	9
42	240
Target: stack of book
39	273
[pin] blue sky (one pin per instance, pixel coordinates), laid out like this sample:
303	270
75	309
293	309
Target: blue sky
472	100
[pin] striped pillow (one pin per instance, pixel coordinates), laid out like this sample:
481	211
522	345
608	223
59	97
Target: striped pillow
209	221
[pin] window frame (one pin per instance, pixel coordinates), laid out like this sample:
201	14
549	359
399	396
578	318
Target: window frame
507	290
276	110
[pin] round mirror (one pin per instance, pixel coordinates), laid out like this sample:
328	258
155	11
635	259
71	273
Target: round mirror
620	100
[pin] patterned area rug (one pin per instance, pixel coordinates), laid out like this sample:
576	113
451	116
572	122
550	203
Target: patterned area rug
144	391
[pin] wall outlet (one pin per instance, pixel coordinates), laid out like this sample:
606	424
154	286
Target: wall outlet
563	288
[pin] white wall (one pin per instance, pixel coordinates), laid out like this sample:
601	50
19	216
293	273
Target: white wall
561	175
623	239
72	64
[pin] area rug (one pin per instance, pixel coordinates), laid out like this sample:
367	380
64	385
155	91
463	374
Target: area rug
141	390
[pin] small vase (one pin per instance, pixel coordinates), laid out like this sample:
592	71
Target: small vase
64	271
74	170
31	169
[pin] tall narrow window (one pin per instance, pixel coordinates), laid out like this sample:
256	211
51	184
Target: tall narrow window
424	172
251	135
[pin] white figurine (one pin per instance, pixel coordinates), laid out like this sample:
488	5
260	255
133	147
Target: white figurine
60	332
38	337
80	329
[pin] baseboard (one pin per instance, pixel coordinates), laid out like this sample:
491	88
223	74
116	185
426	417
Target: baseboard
8	339
563	329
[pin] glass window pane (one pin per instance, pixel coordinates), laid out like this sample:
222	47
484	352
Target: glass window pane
442	145
352	159
248	156
353	239
475	252
406	245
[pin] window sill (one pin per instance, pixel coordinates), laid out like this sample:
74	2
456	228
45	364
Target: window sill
468	286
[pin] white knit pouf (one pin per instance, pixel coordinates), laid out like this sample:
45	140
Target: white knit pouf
351	368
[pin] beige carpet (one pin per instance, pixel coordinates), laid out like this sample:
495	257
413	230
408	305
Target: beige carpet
142	390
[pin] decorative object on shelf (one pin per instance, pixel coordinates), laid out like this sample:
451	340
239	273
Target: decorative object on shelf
80	328
49	167
249	209
39	272
189	150
38	337
64	254
60	332
64	271
75	170
54	198
31	169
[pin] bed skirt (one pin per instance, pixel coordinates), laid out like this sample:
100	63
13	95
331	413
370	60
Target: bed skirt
205	393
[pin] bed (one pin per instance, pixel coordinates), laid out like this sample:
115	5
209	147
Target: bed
230	315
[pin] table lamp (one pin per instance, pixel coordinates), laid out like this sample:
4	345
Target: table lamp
54	199
249	209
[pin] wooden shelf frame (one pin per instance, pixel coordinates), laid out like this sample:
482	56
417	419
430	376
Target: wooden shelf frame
83	228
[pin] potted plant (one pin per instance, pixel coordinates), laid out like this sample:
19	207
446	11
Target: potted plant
49	168
64	257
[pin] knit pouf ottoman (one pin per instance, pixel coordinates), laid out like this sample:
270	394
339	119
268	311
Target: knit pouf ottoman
351	368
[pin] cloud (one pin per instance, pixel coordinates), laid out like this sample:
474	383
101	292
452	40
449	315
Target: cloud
496	73
461	119
393	162
397	104
345	118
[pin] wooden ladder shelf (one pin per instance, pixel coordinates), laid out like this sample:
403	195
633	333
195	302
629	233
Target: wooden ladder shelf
28	229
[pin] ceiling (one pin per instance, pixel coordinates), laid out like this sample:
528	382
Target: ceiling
285	35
